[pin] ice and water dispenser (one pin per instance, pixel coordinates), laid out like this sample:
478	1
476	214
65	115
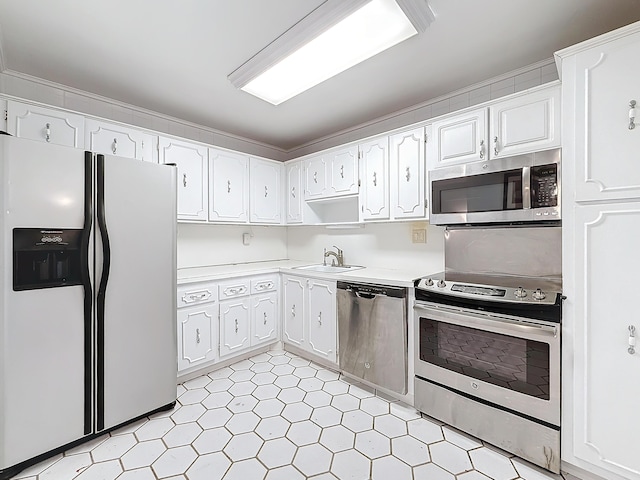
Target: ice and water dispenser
45	258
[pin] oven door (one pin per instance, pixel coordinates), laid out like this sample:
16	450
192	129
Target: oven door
509	362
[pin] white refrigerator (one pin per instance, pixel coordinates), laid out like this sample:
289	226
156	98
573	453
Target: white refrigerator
87	296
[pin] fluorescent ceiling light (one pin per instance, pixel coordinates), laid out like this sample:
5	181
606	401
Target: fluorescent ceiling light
294	62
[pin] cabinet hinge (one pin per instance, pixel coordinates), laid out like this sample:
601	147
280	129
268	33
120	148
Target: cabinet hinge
359	154
426	138
6	115
359	183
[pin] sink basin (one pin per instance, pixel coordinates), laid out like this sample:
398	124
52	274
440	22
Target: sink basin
328	268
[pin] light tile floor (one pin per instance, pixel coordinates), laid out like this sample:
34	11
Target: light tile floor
277	416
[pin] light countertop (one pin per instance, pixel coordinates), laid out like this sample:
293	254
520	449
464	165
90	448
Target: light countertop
400	278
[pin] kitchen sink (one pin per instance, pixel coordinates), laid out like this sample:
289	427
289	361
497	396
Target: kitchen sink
328	268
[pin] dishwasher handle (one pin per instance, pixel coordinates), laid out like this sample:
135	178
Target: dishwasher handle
369	291
368	296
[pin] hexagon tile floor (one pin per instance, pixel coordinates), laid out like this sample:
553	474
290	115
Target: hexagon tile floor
277	416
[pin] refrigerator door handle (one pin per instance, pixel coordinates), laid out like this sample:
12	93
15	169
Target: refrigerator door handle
102	290
88	291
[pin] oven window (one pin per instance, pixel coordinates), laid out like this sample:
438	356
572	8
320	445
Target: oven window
515	363
479	193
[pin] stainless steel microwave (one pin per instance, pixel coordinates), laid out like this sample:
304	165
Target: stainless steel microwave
522	188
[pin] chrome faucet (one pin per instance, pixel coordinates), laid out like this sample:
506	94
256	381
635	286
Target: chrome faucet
338	254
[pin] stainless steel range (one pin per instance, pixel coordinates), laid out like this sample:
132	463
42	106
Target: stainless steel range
488	350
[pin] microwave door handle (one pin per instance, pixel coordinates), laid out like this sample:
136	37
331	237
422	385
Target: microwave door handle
526	188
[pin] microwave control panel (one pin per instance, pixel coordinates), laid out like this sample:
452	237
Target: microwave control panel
544	186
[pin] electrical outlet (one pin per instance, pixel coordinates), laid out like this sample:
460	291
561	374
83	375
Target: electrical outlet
419	235
246	238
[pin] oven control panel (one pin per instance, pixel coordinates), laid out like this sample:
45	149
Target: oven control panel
488	293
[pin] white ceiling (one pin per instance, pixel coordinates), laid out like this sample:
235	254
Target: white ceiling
174	56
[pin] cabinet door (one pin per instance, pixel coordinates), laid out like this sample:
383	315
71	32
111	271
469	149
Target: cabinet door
408	174
315	177
526	123
234	326
229	197
191	160
344	171
265	194
459	139
606	150
45	124
294	310
374	168
294	193
606	373
264	321
197	335
321	319
113	139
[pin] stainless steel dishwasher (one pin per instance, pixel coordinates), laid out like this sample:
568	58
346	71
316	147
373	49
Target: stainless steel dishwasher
372	334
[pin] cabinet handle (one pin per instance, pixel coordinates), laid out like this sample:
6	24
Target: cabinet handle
264	286
632	114
266	192
375	179
481	149
228	186
114	146
341	171
320	319
234	290
315	177
495	146
293	192
408	176
48	132
632	340
293	310
236	325
265	318
184	180
197	335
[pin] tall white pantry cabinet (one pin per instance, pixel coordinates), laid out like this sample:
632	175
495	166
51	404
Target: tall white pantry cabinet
601	254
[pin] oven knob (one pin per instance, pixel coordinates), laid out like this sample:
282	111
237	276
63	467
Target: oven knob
539	294
429	282
520	292
441	284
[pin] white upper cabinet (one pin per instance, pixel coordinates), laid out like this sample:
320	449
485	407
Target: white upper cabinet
45	124
525	123
316	170
374	175
459	139
191	160
344	171
265	192
601	83
229	182
293	191
407	173
113	139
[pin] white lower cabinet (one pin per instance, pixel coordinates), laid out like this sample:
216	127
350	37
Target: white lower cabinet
218	320
234	326
602	310
264	318
197	330
310	315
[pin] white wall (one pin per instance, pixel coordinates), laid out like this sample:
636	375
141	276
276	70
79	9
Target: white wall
374	245
200	245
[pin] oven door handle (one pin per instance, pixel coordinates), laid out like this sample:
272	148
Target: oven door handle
493	320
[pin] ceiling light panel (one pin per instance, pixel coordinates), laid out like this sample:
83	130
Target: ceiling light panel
373	28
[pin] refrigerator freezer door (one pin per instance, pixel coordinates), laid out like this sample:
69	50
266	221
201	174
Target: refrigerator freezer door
41	331
140	296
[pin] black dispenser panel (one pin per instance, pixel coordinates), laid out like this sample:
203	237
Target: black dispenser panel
46	258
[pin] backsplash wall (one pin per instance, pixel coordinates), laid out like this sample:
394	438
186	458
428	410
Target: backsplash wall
200	245
380	245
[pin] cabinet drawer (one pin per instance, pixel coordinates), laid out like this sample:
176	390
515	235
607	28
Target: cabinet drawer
264	284
196	294
233	289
